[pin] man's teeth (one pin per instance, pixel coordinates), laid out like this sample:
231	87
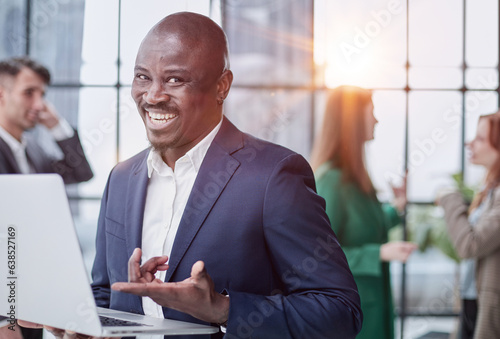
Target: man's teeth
160	118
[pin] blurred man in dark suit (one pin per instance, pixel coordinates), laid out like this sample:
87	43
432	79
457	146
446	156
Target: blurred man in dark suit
23	83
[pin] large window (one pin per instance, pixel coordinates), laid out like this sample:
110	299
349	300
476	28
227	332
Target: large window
433	66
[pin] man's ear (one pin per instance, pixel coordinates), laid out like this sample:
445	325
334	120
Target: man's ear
6	83
224	84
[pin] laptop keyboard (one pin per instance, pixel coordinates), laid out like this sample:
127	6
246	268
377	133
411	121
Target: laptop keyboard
106	321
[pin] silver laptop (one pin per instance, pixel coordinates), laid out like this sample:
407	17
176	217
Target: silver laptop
42	266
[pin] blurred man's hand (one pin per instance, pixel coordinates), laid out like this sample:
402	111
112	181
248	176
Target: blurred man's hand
48	116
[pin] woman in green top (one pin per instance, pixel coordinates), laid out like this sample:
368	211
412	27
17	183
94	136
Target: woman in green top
359	220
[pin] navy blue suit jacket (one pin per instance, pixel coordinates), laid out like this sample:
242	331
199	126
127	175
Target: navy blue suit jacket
255	219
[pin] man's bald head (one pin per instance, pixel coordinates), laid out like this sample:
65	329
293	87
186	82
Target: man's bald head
196	31
180	82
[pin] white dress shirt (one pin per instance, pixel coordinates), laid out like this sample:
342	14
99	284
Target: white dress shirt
167	195
60	131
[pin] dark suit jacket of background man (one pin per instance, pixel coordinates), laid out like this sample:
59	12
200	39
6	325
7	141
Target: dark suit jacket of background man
254	218
74	166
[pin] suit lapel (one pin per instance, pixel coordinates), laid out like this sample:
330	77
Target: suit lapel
11	165
35	158
215	172
135	203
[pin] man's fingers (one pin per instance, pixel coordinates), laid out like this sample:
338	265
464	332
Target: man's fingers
155	264
138	273
134	288
134	265
56	332
67	334
28	324
198	270
70	335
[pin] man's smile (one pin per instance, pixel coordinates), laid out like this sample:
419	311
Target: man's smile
160	118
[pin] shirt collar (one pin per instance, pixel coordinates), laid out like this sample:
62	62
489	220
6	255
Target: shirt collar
12	142
195	155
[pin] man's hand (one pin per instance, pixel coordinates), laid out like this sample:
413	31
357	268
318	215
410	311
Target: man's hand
57	332
146	272
62	334
7	332
48	116
28	324
195	295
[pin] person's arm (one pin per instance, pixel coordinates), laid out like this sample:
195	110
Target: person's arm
391	214
317	295
472	242
74	166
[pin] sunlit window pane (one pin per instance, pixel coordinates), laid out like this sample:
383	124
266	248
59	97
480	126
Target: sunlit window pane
436	33
481	33
276	116
270	42
434	142
132	132
100	43
377	75
481	78
66	102
13	28
385	153
361	43
436	77
97	128
56	42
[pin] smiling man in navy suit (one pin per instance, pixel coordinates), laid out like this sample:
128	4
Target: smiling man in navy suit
247	240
